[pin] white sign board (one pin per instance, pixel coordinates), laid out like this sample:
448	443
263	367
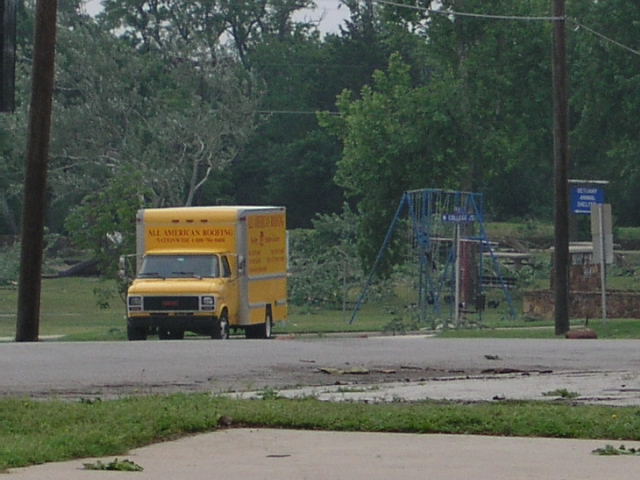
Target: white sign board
602	233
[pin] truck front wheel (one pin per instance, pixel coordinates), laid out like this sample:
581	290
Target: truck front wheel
136	333
220	329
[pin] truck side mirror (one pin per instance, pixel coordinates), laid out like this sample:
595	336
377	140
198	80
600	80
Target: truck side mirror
241	264
122	267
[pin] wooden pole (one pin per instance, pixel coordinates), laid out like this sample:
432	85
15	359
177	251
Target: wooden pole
33	209
561	170
7	55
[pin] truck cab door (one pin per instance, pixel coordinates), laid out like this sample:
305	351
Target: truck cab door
229	272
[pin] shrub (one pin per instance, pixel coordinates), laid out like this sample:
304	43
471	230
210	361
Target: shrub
9	265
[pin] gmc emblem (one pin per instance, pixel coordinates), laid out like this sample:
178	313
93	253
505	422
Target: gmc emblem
169	303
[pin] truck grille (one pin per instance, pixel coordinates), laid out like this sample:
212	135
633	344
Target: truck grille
170	303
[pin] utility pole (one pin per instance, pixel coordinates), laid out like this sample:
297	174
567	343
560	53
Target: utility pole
7	55
35	181
561	169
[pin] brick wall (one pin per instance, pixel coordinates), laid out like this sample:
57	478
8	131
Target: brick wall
620	304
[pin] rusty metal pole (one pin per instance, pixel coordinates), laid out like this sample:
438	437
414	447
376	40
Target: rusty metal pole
33	209
561	169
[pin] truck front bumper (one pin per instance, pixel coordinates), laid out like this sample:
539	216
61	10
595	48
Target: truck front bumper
193	323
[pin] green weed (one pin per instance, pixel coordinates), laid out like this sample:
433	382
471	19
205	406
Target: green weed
561	392
611	450
125	465
33	432
269	394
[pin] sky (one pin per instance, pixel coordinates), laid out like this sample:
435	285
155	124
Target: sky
328	12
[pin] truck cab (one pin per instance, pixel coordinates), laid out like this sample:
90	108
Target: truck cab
177	292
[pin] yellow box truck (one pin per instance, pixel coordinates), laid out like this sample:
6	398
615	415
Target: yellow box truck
208	270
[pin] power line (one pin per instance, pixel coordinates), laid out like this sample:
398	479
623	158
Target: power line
511	17
323	65
603	37
468	14
296	112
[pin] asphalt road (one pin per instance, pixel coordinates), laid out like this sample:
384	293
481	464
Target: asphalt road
107	369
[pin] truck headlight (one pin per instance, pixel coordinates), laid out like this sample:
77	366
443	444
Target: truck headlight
208	303
135	304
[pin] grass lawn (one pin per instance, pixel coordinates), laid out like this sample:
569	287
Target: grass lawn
622	328
70	310
372	318
33	432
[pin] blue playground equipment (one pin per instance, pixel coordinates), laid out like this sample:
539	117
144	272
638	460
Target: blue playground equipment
455	259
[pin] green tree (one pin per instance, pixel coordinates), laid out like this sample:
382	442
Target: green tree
324	264
176	124
605	86
395	137
169	26
13	127
176	27
11	161
9	264
502	106
104	221
475	117
289	160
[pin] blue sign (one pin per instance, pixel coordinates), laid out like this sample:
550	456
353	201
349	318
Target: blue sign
582	197
458	217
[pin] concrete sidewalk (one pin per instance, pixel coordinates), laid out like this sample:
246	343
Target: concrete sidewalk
616	388
288	454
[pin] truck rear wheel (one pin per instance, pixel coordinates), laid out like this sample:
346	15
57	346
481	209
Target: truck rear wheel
220	329
265	329
261	330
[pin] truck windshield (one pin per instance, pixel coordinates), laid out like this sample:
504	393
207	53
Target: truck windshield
179	266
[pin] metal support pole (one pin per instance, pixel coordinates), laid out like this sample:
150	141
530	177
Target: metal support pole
457	278
603	264
379	257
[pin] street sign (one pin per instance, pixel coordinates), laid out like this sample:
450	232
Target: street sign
583	196
458	217
601	230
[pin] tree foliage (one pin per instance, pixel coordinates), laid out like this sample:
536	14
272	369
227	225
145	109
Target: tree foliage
324	262
396	138
177	27
174	123
166	102
102	222
466	122
289	159
606	98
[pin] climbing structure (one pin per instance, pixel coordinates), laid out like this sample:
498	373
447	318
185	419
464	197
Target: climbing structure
453	256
